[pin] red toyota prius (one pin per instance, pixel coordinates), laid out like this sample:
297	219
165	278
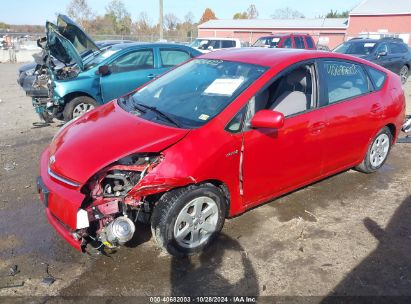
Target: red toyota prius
212	138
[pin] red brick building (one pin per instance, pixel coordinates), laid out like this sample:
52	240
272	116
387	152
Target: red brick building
381	18
371	18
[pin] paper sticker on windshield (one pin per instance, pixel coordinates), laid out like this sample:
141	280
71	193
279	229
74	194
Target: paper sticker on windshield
369	45
203	117
225	87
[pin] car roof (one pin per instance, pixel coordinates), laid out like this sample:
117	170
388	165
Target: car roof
365	40
285	35
272	57
216	38
149	44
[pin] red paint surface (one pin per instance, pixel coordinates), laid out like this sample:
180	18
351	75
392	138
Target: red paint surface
309	146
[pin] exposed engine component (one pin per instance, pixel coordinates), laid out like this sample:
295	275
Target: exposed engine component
118	183
120	177
118	232
67	72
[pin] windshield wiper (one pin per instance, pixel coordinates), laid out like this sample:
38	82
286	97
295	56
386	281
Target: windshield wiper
159	112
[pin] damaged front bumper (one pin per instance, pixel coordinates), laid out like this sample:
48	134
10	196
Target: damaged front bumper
99	214
62	204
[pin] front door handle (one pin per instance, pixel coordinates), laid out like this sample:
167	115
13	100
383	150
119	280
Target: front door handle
317	127
151	76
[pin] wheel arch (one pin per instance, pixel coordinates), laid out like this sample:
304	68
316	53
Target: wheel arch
70	96
154	197
224	189
393	129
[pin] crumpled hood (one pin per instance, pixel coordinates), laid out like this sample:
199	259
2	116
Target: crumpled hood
103	136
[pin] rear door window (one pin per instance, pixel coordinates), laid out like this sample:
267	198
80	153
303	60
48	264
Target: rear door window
227	44
397	48
343	80
287	43
170	57
299	42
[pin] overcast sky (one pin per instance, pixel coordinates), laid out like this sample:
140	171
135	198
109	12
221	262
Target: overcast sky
37	11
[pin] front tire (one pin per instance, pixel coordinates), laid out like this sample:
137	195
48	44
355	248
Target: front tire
78	106
377	152
186	220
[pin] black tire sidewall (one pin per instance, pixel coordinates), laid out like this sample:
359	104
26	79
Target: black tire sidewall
408	74
368	164
69	107
167	225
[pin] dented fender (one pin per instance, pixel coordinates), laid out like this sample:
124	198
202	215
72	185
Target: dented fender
154	183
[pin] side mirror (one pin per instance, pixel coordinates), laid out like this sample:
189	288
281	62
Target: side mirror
382	53
210	48
267	119
103	70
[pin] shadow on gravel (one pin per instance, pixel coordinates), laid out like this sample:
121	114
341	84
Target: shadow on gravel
387	270
204	277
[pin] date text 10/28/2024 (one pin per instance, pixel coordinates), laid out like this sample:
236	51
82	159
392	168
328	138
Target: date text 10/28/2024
205	299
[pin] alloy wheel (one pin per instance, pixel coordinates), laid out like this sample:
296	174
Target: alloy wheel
81	109
379	150
196	222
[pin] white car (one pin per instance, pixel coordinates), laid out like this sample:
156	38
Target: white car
206	45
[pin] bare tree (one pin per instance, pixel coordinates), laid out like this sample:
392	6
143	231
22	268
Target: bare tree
120	16
287	13
80	11
170	21
252	12
143	23
189	18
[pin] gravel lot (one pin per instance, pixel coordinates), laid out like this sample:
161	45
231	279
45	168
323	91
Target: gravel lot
348	235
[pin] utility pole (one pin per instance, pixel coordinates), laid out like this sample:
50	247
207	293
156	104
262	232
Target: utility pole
161	20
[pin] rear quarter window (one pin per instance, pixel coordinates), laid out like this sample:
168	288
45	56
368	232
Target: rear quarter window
309	41
377	77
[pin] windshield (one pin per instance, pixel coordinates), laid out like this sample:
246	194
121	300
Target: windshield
271	42
100	58
357	48
194	93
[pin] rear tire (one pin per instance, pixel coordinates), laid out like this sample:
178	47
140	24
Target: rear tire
377	152
78	106
404	73
186	220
